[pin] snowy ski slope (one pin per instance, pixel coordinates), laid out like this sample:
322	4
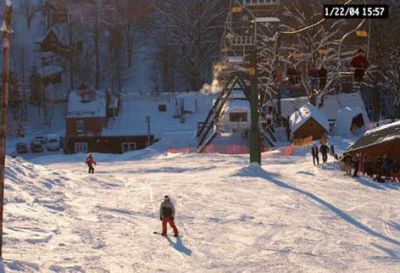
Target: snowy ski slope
287	216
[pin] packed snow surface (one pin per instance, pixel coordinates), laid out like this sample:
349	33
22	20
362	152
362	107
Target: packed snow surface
286	216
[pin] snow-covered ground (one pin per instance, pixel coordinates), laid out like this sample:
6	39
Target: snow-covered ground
287	216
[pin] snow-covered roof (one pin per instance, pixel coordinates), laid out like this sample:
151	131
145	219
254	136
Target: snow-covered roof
332	104
345	118
377	136
131	119
305	113
58	31
46	71
79	109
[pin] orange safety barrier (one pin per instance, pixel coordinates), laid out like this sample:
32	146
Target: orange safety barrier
222	149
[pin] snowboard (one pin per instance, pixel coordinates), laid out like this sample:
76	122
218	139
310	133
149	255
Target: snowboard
170	235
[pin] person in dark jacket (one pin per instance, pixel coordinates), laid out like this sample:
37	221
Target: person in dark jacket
90	162
359	63
332	150
348	162
167	215
313	73
315	154
356	165
323	75
387	165
324	149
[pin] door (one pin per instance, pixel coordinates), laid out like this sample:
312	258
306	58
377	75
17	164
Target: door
81	147
128	146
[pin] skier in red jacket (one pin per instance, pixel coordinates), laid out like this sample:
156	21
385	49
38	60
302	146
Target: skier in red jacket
359	63
90	162
167	215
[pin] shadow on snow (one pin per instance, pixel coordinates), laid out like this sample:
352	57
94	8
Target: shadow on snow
178	245
260	173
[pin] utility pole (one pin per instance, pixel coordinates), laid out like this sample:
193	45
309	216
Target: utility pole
255	150
6	29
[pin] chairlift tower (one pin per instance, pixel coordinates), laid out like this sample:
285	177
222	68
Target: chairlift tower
250	36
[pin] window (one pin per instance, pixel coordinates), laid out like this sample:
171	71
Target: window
81	147
234	117
128	146
80	126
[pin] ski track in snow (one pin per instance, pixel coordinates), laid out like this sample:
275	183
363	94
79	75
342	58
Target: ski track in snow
287	216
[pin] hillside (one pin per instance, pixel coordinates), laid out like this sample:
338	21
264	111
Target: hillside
287	216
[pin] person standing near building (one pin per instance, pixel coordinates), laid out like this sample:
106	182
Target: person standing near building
347	164
167	215
324	149
356	165
315	154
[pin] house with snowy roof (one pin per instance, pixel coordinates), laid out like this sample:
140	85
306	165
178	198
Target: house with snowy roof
90	124
350	121
308	121
54	49
330	106
380	141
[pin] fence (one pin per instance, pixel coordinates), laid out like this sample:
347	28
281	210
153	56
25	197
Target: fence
231	149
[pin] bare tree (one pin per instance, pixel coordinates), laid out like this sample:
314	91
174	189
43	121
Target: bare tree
195	28
28	10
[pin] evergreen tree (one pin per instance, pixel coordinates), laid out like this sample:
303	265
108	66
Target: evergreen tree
37	88
16	105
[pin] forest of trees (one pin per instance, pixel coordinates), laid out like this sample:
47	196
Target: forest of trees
182	39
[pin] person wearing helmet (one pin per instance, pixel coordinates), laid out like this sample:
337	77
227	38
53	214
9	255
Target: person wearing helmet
90	162
167	215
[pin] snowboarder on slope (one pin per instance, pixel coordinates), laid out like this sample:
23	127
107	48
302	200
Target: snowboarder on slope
324	149
90	162
315	154
167	215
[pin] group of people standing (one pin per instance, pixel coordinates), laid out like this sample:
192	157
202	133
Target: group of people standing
379	168
324	150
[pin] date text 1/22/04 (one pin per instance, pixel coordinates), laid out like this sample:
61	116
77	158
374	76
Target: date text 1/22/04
356	11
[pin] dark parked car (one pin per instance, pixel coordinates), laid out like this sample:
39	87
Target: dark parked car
22	148
37	147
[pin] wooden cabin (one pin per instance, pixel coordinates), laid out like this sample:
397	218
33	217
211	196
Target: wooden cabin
308	121
376	143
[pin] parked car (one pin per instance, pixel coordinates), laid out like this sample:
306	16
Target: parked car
37	147
22	148
41	139
53	142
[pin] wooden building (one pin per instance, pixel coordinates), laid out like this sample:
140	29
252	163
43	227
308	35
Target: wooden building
308	121
106	144
376	143
89	114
